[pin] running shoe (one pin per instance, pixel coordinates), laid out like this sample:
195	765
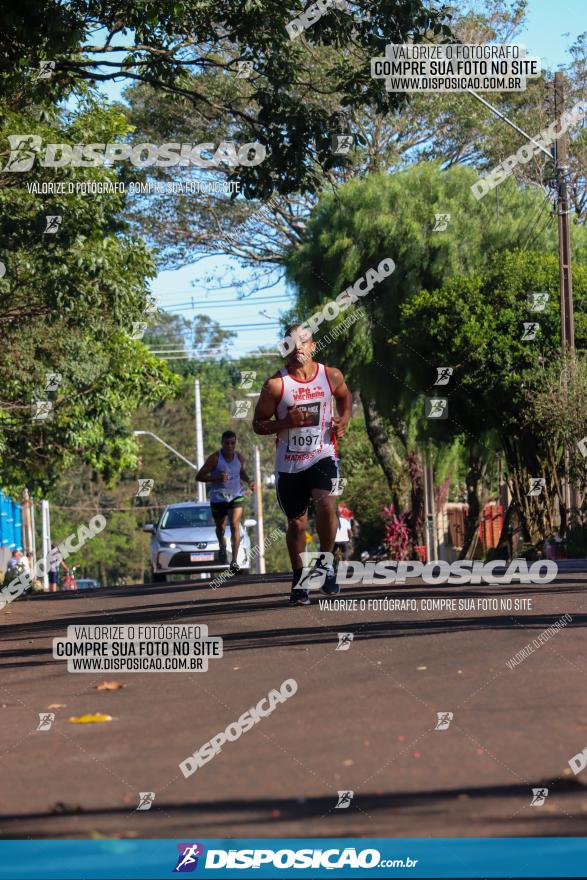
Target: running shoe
320	576
313	578
235	567
299	597
222	556
330	587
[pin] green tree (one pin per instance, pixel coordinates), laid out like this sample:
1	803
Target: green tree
380	217
159	44
69	301
483	325
447	128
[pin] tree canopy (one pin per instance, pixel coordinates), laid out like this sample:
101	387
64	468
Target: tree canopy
162	45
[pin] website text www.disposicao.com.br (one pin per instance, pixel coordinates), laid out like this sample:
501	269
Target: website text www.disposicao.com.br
330	859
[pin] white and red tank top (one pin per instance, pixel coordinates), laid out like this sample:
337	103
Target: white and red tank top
299	448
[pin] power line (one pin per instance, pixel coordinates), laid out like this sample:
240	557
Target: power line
192	304
191	357
255	325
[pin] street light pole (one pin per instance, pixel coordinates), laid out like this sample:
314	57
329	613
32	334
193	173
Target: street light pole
571	496
564	237
167	446
199	438
45	540
259	511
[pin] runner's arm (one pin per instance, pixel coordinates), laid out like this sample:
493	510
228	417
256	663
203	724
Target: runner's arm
263	421
344	400
204	475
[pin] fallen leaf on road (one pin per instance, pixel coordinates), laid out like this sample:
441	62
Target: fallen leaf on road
421	668
463	797
348	763
416	754
109	686
96	718
57	706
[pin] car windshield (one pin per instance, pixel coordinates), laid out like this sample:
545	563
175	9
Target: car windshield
186	518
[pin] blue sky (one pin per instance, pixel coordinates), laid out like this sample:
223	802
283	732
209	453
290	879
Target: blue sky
551	29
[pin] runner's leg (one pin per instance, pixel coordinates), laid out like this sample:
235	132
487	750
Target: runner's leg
293	495
296	540
325	506
234	515
220	526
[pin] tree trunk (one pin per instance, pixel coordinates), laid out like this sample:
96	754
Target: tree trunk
477	469
416	517
378	433
507	546
537	513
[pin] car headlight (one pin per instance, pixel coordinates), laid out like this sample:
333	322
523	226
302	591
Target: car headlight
167	544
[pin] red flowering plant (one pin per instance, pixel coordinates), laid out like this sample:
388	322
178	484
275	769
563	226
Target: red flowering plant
397	533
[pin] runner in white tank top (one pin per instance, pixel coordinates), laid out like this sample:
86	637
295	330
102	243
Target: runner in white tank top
224	470
296	404
300	447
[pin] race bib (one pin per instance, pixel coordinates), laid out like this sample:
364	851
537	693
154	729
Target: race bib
307	436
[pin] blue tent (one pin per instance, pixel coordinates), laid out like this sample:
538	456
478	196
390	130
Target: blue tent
10	523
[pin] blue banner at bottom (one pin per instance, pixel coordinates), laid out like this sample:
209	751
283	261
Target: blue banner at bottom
293	857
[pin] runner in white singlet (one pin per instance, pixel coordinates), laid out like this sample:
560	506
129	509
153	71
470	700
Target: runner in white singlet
224	470
296	405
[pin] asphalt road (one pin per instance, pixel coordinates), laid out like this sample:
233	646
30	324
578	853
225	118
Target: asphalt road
363	719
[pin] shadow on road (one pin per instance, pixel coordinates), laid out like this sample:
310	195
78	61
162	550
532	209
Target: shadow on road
274	637
213	815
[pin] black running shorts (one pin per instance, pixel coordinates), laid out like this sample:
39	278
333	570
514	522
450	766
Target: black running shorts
295	490
220	508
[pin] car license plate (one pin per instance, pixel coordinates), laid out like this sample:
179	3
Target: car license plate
201	557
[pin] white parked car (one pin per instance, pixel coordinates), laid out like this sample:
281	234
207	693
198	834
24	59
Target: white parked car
184	541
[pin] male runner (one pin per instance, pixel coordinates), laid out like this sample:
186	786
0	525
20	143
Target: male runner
224	470
296	405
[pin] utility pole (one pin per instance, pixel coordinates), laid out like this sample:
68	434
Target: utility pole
34	536
259	511
571	497
564	232
46	540
199	438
